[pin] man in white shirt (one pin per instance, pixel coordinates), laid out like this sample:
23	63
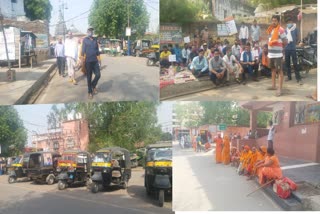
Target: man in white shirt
272	131
255	32
71	53
236	49
233	65
243	34
59	54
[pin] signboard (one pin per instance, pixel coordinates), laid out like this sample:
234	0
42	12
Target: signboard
128	31
186	39
231	27
10	44
172	58
42	41
171	33
222	127
222	30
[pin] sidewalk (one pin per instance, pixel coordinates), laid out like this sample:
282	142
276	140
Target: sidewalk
28	80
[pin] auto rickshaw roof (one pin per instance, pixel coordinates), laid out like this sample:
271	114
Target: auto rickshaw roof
75	151
43	152
113	149
160	144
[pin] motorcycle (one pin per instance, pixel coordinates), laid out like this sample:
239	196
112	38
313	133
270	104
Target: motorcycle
306	58
154	56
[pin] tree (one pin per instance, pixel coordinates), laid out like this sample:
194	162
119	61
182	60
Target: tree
263	119
185	11
116	124
13	135
189	114
38	9
167	136
110	17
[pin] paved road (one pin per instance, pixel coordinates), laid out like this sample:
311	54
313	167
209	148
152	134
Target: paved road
29	198
257	91
122	79
201	185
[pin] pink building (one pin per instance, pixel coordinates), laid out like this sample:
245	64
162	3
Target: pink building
73	134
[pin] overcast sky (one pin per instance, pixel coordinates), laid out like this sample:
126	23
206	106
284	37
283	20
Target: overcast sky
78	9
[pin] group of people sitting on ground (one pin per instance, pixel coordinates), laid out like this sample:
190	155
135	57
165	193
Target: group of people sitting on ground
221	60
251	162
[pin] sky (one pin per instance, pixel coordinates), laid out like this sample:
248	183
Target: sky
78	9
34	117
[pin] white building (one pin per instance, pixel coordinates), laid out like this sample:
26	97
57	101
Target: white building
166	116
236	8
12	9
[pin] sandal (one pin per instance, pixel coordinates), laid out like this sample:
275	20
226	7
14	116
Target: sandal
95	91
90	96
278	94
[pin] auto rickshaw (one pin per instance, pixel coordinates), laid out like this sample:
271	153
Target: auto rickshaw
42	166
18	168
73	168
9	162
158	170
140	46
110	166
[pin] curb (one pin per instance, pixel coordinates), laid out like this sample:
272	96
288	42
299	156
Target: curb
200	89
24	99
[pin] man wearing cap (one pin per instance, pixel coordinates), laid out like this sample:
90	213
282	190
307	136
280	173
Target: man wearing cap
199	65
71	53
90	53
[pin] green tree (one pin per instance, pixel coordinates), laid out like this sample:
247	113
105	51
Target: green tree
13	135
110	17
116	124
38	9
189	114
179	11
263	119
167	136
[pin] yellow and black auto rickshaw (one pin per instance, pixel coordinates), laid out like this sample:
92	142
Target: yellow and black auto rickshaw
73	168
158	170
110	166
153	57
18	168
42	167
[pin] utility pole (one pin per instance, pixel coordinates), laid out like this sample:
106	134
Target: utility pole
63	7
129	33
5	40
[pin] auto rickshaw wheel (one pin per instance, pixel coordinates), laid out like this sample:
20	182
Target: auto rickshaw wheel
62	185
161	198
50	179
12	179
150	62
94	187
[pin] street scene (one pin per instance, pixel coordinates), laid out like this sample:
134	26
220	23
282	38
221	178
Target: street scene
69	51
68	158
244	49
246	156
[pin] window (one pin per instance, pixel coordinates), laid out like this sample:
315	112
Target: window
300	110
56	145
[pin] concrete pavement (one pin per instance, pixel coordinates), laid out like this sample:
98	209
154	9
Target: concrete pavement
124	78
27	198
254	91
28	80
202	185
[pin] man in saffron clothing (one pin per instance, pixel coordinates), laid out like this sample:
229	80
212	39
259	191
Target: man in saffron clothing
270	169
219	143
244	157
226	150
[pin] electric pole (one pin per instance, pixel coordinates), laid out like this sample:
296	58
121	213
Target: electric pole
129	33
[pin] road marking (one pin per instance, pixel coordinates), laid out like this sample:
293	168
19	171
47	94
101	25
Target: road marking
299	166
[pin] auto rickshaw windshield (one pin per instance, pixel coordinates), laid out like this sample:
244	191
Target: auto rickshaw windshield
17	160
102	157
157	154
69	157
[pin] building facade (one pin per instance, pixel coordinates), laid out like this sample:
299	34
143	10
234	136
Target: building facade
12	9
73	134
236	8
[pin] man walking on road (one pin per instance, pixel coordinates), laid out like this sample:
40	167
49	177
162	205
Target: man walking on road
71	53
90	53
59	53
277	40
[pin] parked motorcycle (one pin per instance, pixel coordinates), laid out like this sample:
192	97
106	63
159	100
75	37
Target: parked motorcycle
154	56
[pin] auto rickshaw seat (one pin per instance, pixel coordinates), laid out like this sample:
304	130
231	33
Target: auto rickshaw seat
116	172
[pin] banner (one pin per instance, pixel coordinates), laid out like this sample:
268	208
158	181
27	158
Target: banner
42	41
222	30
10	44
171	33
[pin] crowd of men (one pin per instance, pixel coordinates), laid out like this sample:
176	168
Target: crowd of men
76	54
248	55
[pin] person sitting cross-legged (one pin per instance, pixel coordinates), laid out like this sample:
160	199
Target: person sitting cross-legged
248	63
164	57
264	62
233	65
199	65
217	68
